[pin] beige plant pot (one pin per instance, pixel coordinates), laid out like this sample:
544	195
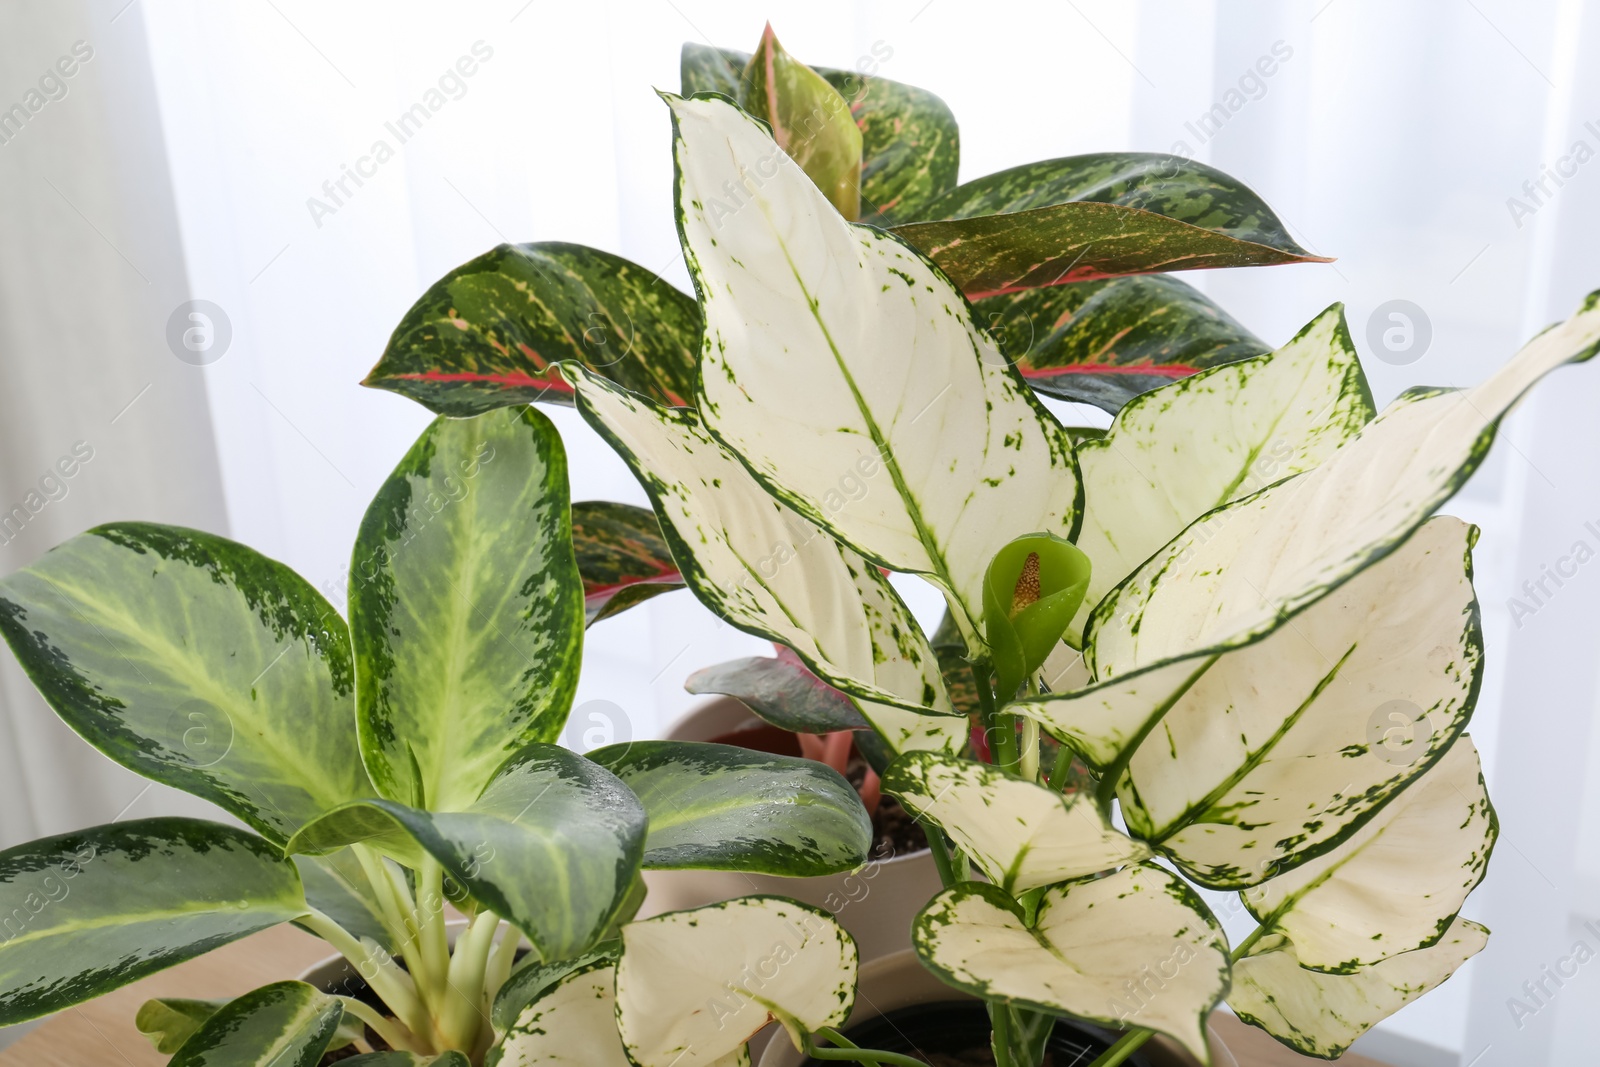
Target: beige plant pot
900	980
876	904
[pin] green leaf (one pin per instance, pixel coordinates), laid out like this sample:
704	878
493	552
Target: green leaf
809	119
1097	216
1022	835
406	1059
170	1021
466	607
571	1023
532	979
1090	953
1322	1014
337	886
196	662
1033	588
910	146
622	557
718	807
685	992
285	1024
781	691
704	69
1105	342
1175	454
88	912
1428	848
1237	573
771	573
903	430
551	846
489	334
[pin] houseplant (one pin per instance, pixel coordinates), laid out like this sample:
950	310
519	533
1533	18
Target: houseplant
1247	570
385	772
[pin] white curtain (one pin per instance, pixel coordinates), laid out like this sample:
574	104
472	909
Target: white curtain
1434	149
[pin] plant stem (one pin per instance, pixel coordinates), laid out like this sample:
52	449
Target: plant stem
850	1052
1058	773
1124	1048
941	856
1248	943
501	960
392	985
1029	763
460	1013
398	1036
1000	1020
399	923
433	940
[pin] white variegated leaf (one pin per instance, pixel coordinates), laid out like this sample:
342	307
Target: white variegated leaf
1397	884
693	986
845	370
1022	835
1135	948
1175	453
1236	573
770	572
1322	1014
1278	751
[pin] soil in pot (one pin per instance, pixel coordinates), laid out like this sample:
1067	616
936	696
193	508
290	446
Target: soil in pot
956	1034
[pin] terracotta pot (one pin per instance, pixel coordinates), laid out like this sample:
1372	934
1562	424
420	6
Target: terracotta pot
891	983
876	904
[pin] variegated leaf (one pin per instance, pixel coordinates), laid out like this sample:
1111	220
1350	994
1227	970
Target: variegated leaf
780	690
572	1023
1177	453
1097	216
1105	342
1235	574
466	607
771	573
693	986
622	557
1022	835
1322	1014
170	1021
703	68
488	334
337	886
1135	948
723	808
406	1059
552	845
847	373
1397	884
285	1024
197	662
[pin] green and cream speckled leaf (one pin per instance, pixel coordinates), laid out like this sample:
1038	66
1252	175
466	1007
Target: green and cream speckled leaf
337	886
572	1023
170	1021
489	334
466	607
197	662
552	845
723	808
285	1024
847	374
1175	454
406	1059
622	557
1097	216
1269	756
1322	1014
685	991
1397	884
1105	342
1022	835
1091	952
771	573
1236	573
810	121
88	912
782	691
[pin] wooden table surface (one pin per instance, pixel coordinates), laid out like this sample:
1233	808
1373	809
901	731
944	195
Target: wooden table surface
102	1033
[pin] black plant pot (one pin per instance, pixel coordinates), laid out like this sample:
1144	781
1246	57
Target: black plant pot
955	1033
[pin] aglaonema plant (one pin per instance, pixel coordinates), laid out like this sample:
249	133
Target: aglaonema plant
1221	608
390	775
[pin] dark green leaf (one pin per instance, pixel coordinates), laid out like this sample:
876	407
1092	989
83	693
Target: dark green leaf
466	607
488	334
782	691
910	146
285	1024
1097	216
622	557
552	845
717	807
88	912
197	662
704	69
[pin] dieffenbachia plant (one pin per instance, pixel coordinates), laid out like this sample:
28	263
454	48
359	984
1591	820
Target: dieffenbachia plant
391	772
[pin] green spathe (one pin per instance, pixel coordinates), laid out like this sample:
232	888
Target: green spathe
1024	627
